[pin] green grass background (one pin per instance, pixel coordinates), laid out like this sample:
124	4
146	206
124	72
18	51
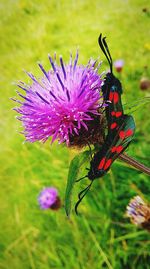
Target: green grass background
101	237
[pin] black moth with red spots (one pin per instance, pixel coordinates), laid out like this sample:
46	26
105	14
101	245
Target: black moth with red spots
120	127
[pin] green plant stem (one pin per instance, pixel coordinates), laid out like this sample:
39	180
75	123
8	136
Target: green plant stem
97	244
129	160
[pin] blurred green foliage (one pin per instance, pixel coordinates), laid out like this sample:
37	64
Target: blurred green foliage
101	237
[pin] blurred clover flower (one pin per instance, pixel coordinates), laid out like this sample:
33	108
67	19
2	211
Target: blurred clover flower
48	198
118	64
62	102
139	212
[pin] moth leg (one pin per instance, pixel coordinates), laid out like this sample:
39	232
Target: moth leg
81	178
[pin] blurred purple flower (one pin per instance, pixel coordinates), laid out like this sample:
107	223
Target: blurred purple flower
118	64
133	210
61	102
139	212
48	198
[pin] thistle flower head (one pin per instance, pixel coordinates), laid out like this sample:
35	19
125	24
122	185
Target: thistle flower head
48	197
139	212
62	102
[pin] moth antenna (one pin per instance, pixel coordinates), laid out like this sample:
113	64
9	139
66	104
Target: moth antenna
104	48
110	58
84	192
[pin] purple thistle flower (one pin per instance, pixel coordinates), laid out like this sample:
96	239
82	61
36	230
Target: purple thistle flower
48	198
62	102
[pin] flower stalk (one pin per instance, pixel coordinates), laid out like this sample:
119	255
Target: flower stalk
131	161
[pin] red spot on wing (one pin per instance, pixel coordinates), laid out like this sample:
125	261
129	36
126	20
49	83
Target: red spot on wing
118	114
113	113
101	164
129	132
113	125
107	165
122	134
111	96
119	149
113	149
116	97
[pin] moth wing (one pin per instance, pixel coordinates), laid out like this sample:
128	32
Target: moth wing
122	139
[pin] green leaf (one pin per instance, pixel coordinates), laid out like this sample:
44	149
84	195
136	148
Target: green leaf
74	169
